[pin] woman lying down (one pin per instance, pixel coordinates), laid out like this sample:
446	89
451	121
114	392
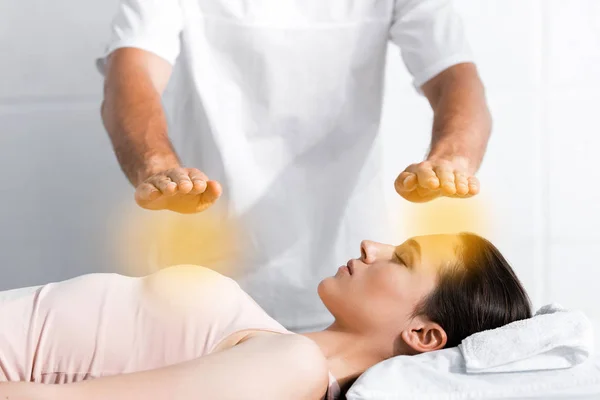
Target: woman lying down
188	333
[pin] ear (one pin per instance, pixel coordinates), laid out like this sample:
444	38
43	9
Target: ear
422	336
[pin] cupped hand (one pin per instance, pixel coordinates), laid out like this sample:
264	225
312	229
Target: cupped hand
435	178
183	190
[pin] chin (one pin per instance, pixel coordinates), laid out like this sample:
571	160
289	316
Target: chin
326	291
333	298
322	288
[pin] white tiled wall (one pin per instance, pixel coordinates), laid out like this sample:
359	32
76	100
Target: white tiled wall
47	48
540	60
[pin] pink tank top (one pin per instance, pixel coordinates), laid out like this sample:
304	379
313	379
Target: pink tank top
107	324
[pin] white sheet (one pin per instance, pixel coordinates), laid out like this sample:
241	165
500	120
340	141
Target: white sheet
16	293
585	392
441	376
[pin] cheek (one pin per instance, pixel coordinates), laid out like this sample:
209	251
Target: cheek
351	300
390	282
395	290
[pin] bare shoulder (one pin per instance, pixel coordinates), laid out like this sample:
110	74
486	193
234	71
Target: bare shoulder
304	354
308	355
309	352
300	361
309	365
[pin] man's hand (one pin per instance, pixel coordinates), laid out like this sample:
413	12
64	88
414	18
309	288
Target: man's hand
183	190
437	177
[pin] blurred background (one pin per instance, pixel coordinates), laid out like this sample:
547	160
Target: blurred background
65	202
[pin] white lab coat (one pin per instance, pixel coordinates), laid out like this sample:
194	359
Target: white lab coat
280	101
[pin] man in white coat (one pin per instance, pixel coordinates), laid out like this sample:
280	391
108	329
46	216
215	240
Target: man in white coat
277	105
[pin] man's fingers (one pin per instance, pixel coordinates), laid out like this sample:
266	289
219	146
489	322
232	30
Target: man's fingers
462	184
447	181
473	185
146	193
211	194
181	179
163	183
424	192
410	183
199	181
406	182
432	178
426	177
197	174
213	190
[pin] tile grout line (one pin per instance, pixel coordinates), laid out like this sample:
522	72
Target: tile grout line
539	202
546	148
545	157
27	108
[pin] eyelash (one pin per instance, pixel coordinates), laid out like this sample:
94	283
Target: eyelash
399	259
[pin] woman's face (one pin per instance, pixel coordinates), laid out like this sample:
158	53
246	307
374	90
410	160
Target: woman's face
379	291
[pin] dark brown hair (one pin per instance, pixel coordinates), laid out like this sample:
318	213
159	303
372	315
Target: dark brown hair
479	292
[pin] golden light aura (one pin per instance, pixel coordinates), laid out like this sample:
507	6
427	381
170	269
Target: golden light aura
150	240
446	215
147	241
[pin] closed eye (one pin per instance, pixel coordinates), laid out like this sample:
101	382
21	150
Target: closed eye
399	259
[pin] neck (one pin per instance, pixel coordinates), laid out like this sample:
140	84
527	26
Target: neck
349	354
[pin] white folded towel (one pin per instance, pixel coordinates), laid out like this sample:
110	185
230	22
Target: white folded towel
441	375
554	338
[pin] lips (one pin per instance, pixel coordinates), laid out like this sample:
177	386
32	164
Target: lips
350	267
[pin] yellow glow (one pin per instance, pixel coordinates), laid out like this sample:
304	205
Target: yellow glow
151	240
446	215
176	289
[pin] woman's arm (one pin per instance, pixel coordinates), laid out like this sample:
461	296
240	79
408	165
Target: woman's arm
270	367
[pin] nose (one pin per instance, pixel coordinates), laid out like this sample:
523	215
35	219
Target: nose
369	251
